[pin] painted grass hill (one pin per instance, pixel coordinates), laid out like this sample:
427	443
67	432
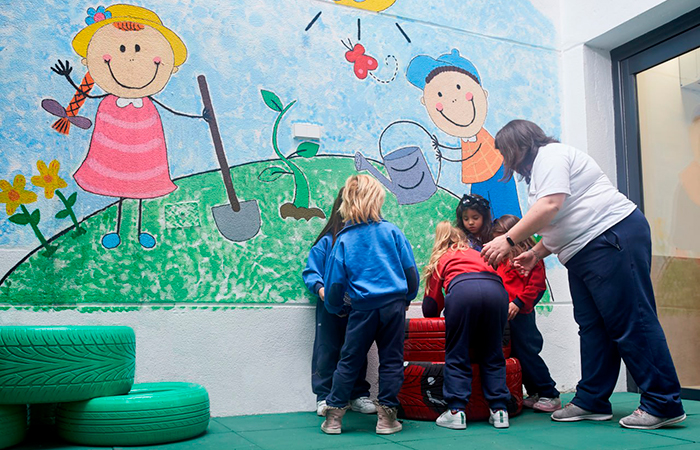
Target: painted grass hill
192	265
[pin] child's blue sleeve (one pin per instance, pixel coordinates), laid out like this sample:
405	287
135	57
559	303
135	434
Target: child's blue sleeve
410	269
335	281
316	265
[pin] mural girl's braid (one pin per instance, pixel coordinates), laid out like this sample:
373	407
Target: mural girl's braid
63	125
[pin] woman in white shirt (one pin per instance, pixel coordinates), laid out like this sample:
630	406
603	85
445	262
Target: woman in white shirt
605	243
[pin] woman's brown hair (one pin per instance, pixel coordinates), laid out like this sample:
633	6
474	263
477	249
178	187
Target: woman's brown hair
519	141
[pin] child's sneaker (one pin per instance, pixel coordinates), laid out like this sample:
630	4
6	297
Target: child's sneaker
334	420
321	408
386	420
530	400
499	418
363	405
455	420
545	404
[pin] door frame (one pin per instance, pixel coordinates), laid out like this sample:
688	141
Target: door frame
662	44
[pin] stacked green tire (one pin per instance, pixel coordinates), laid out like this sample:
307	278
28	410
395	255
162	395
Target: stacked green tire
151	413
13	424
65	364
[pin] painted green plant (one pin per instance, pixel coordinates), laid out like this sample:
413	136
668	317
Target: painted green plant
15	196
49	180
299	208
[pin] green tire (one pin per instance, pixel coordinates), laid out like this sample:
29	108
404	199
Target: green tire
13	424
151	413
65	364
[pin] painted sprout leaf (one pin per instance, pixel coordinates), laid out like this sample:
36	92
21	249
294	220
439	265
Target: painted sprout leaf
272	100
36	217
19	219
72	198
307	149
62	214
272	173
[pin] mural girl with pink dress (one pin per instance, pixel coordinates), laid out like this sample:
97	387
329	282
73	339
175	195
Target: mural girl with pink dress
131	56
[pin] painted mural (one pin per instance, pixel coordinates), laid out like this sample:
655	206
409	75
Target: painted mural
151	160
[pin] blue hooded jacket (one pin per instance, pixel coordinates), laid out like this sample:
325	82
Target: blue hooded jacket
373	263
317	262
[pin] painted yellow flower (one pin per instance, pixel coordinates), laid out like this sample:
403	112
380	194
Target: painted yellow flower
14	194
48	178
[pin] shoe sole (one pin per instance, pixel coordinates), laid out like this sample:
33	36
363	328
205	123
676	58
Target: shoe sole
665	423
594	417
389	430
331	430
452	426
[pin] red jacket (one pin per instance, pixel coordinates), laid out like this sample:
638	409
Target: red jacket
523	291
451	264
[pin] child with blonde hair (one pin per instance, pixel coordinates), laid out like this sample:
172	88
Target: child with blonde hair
524	291
330	328
476	307
372	264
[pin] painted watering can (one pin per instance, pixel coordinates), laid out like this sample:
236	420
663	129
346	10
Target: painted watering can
409	179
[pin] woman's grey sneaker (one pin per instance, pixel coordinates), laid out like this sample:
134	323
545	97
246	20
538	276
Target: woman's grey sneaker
572	413
642	420
545	404
321	408
363	405
530	400
454	420
499	418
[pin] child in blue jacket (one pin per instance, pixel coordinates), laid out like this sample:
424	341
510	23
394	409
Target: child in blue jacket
372	262
330	328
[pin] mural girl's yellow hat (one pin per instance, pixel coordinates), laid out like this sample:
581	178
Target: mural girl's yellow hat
126	13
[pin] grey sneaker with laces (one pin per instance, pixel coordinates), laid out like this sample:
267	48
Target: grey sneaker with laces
545	404
642	420
573	413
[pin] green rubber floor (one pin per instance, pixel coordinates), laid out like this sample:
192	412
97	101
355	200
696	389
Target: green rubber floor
529	430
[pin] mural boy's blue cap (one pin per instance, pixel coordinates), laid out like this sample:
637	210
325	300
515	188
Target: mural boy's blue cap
421	66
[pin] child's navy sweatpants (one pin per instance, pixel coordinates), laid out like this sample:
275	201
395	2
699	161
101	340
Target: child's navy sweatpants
386	326
476	312
330	337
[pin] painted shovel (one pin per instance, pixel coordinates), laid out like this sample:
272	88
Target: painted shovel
236	221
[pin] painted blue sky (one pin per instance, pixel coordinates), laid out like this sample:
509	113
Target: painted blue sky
245	46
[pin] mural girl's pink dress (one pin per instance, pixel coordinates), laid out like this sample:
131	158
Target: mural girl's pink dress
127	156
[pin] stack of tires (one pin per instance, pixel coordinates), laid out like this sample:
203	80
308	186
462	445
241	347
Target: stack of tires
424	360
89	372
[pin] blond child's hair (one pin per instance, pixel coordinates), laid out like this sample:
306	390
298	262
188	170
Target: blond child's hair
447	237
502	225
363	198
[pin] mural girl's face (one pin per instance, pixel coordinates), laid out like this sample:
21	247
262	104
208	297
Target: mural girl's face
472	220
130	64
456	103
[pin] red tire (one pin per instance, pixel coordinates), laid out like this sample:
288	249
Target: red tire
425	340
421	396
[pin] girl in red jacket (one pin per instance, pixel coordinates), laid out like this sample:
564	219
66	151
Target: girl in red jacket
526	340
476	310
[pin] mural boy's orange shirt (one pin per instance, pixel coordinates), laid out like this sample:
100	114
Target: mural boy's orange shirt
485	163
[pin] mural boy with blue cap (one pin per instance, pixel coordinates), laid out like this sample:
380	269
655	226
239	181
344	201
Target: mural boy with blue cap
457	104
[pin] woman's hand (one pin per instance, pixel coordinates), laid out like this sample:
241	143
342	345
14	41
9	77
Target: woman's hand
513	310
321	294
496	250
525	262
